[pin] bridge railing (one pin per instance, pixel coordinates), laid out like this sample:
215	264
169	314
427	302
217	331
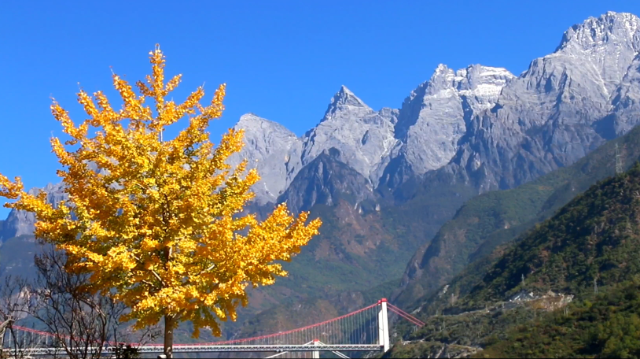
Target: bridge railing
363	330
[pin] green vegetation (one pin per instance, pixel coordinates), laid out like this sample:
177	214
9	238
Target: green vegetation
607	326
425	349
491	222
590	245
335	262
594	240
415	222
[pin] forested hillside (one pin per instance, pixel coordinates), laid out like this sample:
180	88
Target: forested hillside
497	218
592	245
606	326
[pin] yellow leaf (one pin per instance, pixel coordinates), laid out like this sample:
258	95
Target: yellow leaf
158	225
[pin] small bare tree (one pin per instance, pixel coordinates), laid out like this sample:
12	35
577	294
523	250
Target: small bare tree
15	301
85	325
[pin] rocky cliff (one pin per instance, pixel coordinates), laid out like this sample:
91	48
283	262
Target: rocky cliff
492	129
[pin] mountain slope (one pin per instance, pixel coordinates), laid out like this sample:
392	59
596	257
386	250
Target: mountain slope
492	219
353	251
605	327
596	237
592	243
324	181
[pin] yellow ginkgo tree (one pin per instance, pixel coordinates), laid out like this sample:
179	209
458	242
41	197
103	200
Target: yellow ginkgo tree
160	225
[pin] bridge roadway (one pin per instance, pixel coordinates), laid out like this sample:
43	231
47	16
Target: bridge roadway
223	348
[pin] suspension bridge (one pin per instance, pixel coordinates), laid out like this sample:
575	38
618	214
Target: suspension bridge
363	330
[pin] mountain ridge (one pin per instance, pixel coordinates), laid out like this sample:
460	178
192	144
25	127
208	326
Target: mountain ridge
581	259
494	129
490	220
458	134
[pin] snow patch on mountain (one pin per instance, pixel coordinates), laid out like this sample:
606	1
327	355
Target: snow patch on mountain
434	117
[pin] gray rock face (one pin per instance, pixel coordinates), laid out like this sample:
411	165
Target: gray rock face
435	116
324	181
626	102
273	150
364	138
608	44
565	105
489	127
21	223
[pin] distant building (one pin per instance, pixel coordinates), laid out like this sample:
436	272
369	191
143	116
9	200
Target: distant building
522	296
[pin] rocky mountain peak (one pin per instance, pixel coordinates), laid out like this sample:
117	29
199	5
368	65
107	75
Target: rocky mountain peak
251	122
476	76
363	137
345	101
441	80
475	80
606	44
596	33
345	93
439	110
481	85
273	150
442	70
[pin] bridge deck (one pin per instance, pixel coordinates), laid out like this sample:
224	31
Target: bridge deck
226	348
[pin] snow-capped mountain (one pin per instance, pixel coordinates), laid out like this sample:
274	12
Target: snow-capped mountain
566	104
435	116
486	126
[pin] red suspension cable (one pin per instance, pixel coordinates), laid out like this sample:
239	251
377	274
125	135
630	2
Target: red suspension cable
405	315
331	321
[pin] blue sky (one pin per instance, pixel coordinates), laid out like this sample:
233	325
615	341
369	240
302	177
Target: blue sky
282	60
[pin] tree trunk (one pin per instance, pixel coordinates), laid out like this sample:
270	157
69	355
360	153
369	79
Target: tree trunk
169	323
3	328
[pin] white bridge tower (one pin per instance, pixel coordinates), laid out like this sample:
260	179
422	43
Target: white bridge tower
383	325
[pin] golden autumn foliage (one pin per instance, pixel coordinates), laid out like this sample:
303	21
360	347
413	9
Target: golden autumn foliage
159	225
